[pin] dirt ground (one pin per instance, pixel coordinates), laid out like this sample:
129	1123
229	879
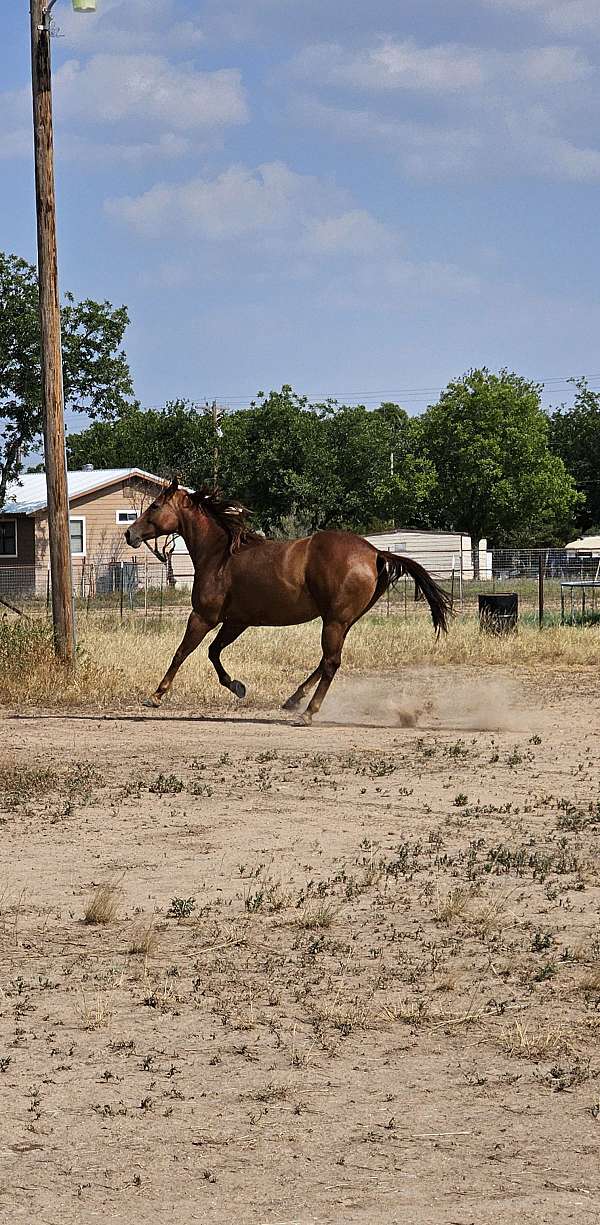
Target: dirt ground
350	973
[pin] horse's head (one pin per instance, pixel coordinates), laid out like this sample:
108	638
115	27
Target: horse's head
160	519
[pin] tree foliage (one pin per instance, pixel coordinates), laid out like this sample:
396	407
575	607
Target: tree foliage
488	439
96	376
575	437
175	439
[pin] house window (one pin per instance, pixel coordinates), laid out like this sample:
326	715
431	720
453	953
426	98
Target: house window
77	527
127	516
8	537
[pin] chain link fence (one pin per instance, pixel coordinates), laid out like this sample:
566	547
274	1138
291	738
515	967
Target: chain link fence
149	590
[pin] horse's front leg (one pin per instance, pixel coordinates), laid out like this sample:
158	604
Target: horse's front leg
197	629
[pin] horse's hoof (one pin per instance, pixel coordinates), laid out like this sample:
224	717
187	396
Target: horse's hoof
238	689
303	720
152	702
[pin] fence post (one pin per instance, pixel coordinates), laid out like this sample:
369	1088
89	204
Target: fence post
121	592
162	584
461	576
48	592
145	591
388	600
452	589
541	559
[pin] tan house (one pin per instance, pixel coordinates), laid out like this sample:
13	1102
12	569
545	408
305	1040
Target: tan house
101	505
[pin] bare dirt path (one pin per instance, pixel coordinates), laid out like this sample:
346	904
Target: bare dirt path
353	973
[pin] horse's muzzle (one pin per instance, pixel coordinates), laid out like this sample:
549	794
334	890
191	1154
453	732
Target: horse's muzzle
133	540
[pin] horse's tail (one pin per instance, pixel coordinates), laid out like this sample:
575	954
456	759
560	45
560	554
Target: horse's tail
440	603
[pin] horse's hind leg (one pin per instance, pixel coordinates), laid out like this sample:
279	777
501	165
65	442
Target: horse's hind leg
195	632
296	698
332	640
229	631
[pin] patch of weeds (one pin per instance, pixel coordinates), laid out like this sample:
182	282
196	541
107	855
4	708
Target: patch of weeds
321	916
270	1093
181	908
573	819
452	905
548	970
542	941
166	784
457	750
560	1079
203	789
20	783
461	800
270	896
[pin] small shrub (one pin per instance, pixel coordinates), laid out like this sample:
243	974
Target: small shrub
181	907
166	784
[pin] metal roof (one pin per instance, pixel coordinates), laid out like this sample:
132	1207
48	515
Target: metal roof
28	494
585	544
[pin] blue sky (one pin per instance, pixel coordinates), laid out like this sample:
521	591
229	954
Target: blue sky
362	200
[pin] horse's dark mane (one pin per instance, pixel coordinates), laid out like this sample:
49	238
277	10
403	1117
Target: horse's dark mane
230	515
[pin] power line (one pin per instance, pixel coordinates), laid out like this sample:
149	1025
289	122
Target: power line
553	384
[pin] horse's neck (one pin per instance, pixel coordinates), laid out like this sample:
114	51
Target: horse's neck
204	539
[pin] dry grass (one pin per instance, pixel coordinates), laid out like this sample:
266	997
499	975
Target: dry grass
537	1041
96	1012
120	664
143	939
103	905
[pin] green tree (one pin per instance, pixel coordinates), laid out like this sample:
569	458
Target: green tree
376	473
496	477
96	375
174	440
271	458
575	437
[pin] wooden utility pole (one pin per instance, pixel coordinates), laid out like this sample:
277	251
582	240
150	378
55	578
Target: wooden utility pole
52	386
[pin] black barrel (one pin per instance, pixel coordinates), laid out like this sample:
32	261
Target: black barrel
498	614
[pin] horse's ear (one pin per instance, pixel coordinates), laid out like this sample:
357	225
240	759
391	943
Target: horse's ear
173	487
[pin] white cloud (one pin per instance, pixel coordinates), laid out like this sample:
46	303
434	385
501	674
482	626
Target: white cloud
279	222
130	109
390	65
149	89
237	203
450	111
130	25
446	68
492	145
562	16
426	150
354	232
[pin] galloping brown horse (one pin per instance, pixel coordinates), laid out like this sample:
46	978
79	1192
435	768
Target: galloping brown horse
242	579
